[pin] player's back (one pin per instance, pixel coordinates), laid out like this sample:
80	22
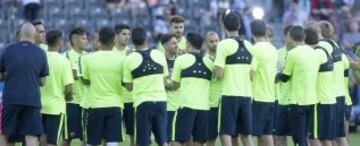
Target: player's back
194	72
265	71
60	75
235	56
338	58
104	70
146	69
303	64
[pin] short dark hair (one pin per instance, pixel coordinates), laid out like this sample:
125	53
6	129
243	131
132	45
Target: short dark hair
76	31
53	37
166	38
258	28
195	40
287	29
138	36
312	36
176	19
37	22
106	35
118	28
297	33
232	21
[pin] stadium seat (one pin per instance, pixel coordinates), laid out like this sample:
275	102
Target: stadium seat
55	10
17	23
98	12
52	2
101	22
119	14
80	22
60	23
77	3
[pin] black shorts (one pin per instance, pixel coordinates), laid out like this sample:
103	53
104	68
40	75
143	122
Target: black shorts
190	123
73	127
104	124
52	127
19	120
170	121
213	129
340	117
301	117
85	115
323	126
150	116
263	118
129	115
235	115
282	123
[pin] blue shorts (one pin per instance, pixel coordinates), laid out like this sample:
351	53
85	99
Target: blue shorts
213	123
19	120
282	123
235	115
263	118
104	124
170	117
323	126
190	123
340	117
52	127
129	116
150	116
301	117
73	128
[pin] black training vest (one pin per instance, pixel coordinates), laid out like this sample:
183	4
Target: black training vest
148	66
337	53
329	64
241	56
198	69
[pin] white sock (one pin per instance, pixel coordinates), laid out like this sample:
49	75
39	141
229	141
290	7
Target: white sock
112	144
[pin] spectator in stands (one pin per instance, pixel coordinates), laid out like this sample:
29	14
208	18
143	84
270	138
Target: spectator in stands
294	15
352	36
31	9
322	9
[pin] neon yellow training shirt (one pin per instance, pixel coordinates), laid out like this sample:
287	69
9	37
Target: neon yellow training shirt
346	78
128	97
149	88
325	77
78	86
172	95
283	95
302	65
194	91
236	79
52	93
104	70
215	89
263	85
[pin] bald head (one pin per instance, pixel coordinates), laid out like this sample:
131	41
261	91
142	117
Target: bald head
211	41
27	32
